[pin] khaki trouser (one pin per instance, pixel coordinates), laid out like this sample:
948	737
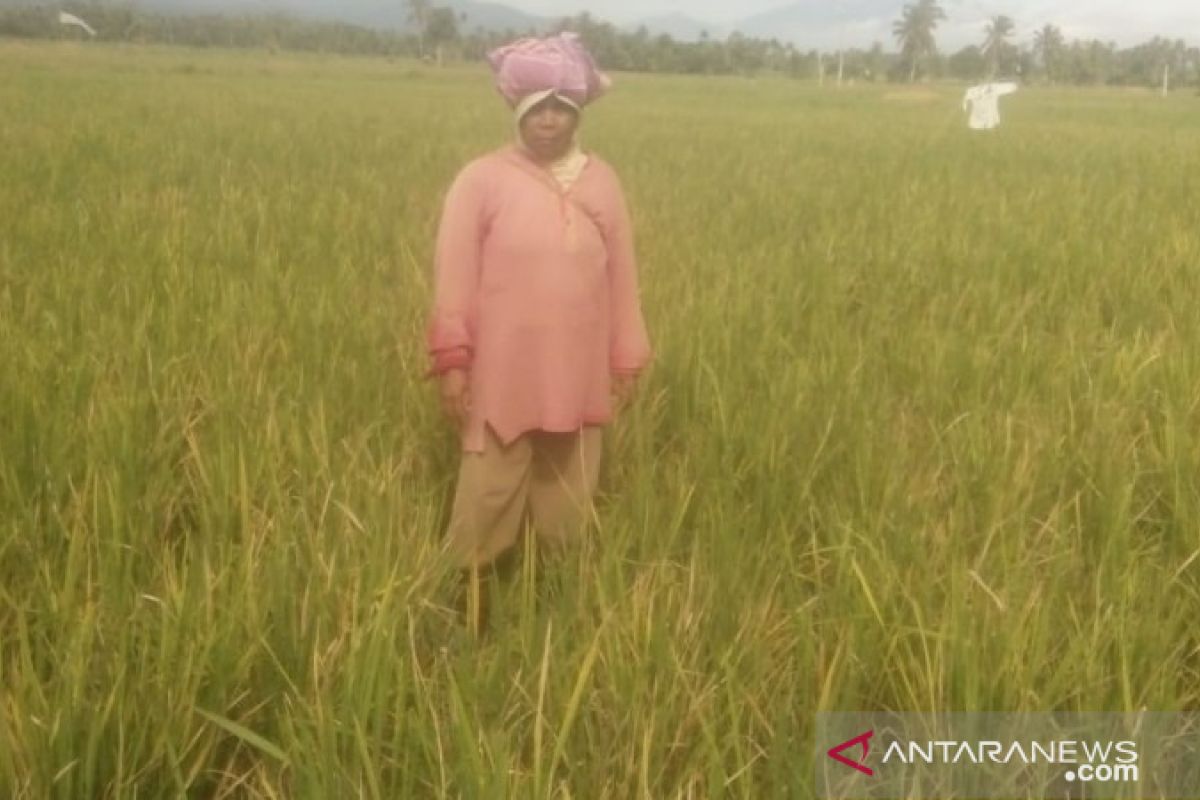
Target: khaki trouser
555	474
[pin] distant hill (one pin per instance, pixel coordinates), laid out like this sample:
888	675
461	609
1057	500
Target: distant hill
833	24
808	24
379	14
822	24
679	27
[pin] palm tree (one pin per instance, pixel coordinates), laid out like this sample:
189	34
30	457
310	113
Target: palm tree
1048	45
998	30
418	14
914	32
442	29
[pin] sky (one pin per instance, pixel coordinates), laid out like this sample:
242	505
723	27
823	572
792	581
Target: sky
1106	19
630	10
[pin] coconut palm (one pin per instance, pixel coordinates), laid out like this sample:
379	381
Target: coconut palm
441	30
418	15
998	31
1048	45
914	32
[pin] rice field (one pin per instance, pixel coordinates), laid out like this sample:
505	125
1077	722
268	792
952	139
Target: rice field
923	432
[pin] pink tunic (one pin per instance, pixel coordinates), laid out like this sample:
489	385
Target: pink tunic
536	294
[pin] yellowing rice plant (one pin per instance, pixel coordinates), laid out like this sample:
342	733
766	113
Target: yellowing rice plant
923	432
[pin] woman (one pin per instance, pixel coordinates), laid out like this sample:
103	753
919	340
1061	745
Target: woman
537	332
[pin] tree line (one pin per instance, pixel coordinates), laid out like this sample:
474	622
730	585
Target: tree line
437	32
1047	57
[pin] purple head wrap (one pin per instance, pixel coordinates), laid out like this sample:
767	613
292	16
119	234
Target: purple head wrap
556	63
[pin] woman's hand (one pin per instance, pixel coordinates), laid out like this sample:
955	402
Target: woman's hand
622	390
456	397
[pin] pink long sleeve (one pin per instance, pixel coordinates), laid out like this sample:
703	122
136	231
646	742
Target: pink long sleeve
536	296
629	348
452	328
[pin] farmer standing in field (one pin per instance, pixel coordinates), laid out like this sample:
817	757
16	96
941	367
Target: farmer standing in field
537	334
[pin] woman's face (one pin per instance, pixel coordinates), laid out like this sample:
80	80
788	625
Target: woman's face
549	128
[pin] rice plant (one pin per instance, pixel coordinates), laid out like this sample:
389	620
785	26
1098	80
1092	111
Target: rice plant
923	432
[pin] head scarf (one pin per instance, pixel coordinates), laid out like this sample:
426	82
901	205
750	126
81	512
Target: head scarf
526	104
558	65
